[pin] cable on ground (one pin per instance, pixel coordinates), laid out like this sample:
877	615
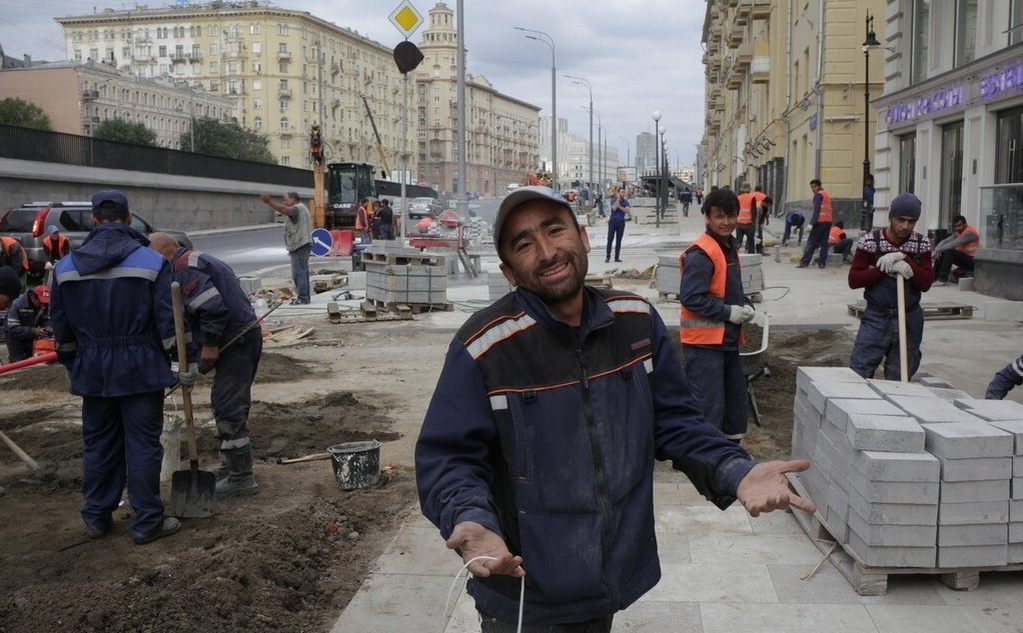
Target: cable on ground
465	568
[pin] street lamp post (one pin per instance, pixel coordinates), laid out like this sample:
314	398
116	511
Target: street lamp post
657	161
662	186
867	211
584	82
600	157
540	36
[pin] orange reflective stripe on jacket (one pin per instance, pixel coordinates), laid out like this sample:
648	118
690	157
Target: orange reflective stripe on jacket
826	214
746	203
970	248
693	328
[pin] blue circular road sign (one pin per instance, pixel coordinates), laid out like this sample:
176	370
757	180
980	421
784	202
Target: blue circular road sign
322	242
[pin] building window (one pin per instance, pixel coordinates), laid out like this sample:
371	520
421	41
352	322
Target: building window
1008	162
282	29
257	67
258	123
125	53
951	172
255	29
162	51
286	160
257	103
285	125
1016	22
214	48
257	84
907	168
257	48
966	31
285	143
920	40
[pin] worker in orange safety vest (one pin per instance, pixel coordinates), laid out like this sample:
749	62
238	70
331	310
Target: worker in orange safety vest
714	307
745	229
820	226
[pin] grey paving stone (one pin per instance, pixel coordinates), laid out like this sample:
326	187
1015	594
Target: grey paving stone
1016	510
948	393
933	381
965	491
894	433
898	556
897	388
1007	410
840	409
967	439
1017	465
1013	427
1015	553
888	535
1016	532
893	513
820	392
973	556
960	535
973	512
893	466
895	491
806	375
931	410
975	468
1016	488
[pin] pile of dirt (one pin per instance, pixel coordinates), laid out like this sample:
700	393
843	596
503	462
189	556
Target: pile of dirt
289	558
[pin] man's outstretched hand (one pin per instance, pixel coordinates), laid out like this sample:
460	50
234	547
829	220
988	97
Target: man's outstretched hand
765	488
472	539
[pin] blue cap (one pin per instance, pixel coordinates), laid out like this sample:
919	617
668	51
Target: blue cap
52	229
114	196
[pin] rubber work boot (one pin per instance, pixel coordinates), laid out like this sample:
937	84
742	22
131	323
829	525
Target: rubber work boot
169	526
239	480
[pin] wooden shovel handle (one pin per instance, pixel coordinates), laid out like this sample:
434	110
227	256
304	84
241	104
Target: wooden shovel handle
186	392
903	343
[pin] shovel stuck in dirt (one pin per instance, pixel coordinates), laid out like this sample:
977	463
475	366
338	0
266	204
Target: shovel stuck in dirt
193	491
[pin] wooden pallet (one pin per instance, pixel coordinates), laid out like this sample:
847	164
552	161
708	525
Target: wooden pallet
932	311
410	308
873	581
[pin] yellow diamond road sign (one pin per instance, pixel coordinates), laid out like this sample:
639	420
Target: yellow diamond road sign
406	18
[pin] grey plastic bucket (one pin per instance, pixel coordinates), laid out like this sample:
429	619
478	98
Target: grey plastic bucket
356	464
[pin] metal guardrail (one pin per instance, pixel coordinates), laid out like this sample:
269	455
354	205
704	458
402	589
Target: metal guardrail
70	149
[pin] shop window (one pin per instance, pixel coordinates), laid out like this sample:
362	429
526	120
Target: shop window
966	31
920	40
951	172
907	160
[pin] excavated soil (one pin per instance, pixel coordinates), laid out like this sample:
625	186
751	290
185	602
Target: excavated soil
291	557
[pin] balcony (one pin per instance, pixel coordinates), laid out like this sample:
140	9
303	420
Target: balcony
754	9
194	56
178	56
743	56
284	93
283	55
737	34
89	95
760	69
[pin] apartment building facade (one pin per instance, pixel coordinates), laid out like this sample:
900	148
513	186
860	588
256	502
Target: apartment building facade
950	124
502	133
286	69
785	85
79	96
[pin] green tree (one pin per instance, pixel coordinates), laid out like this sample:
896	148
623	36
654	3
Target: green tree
230	140
125	132
15	111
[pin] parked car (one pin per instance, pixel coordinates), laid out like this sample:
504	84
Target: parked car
28	223
420	207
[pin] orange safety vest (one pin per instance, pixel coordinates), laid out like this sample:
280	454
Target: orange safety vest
363	218
835	236
746	204
63	247
826	214
971	247
10	246
695	329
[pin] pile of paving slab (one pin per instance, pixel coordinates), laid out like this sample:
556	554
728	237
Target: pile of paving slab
911	474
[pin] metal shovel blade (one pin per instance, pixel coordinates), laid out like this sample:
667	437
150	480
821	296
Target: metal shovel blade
193	493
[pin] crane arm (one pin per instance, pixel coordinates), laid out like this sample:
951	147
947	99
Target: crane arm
380	144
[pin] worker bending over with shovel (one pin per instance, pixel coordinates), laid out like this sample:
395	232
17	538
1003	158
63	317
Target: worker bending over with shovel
536	456
223	322
110	307
881	256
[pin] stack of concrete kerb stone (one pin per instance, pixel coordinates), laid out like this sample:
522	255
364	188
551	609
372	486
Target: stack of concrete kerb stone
907	475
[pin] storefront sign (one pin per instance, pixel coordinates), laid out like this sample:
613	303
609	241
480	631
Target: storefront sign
998	82
944	100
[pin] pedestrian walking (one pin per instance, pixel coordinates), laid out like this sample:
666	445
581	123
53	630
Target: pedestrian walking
297	239
881	255
616	225
557	373
110	307
714	307
820	226
385	219
685	196
223	325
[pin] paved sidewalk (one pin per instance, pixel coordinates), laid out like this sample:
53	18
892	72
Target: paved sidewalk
725	571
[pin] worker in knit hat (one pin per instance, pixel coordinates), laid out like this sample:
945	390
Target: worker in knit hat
882	256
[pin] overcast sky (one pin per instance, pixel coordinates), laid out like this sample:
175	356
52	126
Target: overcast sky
639	55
